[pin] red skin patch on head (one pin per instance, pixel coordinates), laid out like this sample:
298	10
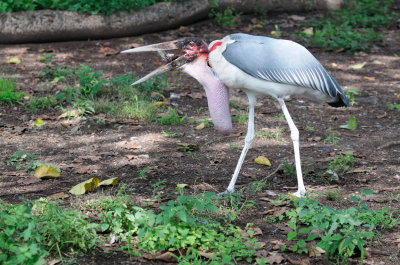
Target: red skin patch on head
218	43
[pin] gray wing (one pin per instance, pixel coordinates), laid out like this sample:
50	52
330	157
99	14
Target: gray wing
280	61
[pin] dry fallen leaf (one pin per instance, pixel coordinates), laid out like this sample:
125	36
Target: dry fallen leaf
299	261
39	123
109	182
309	31
166	256
369	78
13	60
200	126
357	66
57	196
297	18
71	113
46	171
315	252
377	62
275	259
158	104
262	160
85	186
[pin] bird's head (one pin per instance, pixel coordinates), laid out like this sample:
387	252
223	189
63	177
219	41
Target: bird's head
190	55
175	53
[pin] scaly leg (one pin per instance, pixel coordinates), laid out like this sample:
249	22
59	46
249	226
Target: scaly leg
294	134
247	143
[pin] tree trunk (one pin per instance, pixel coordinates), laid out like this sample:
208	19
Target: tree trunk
49	25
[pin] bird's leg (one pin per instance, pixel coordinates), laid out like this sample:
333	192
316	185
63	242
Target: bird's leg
247	143
294	134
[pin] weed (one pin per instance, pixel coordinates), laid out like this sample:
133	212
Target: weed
279	118
393	107
171	135
87	6
240	117
67	95
342	163
235	146
19	157
351	28
274	134
142	172
100	121
20	240
309	128
40	103
8	92
288	170
392	197
228	18
334	195
90	81
172	118
350	125
341	232
64	229
332	138
236	105
350	93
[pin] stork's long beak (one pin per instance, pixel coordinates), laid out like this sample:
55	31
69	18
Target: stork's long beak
174	61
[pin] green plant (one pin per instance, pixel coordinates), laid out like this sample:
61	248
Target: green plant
334	195
393	107
350	125
288	170
340	232
353	28
89	80
39	103
332	138
142	172
342	163
392	197
280	117
350	94
172	118
235	146
19	157
228	18
20	240
8	92
88	6
172	135
274	134
309	128
240	117
64	229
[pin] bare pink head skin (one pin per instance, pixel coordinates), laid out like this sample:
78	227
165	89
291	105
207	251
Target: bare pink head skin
193	61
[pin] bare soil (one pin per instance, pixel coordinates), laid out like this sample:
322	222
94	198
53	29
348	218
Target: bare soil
119	148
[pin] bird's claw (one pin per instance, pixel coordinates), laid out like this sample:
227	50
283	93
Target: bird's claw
299	194
226	192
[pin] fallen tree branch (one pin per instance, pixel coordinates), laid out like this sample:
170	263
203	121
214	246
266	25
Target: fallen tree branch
50	25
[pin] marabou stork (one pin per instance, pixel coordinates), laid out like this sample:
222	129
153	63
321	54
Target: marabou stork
258	66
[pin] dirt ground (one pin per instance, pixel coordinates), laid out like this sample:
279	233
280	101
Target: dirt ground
119	148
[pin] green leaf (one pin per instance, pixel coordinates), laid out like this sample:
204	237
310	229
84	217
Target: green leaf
351	124
182	215
291	235
312	237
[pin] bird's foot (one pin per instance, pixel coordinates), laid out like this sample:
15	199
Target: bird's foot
226	192
300	193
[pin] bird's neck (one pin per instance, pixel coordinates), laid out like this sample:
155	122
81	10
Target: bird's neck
217	93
